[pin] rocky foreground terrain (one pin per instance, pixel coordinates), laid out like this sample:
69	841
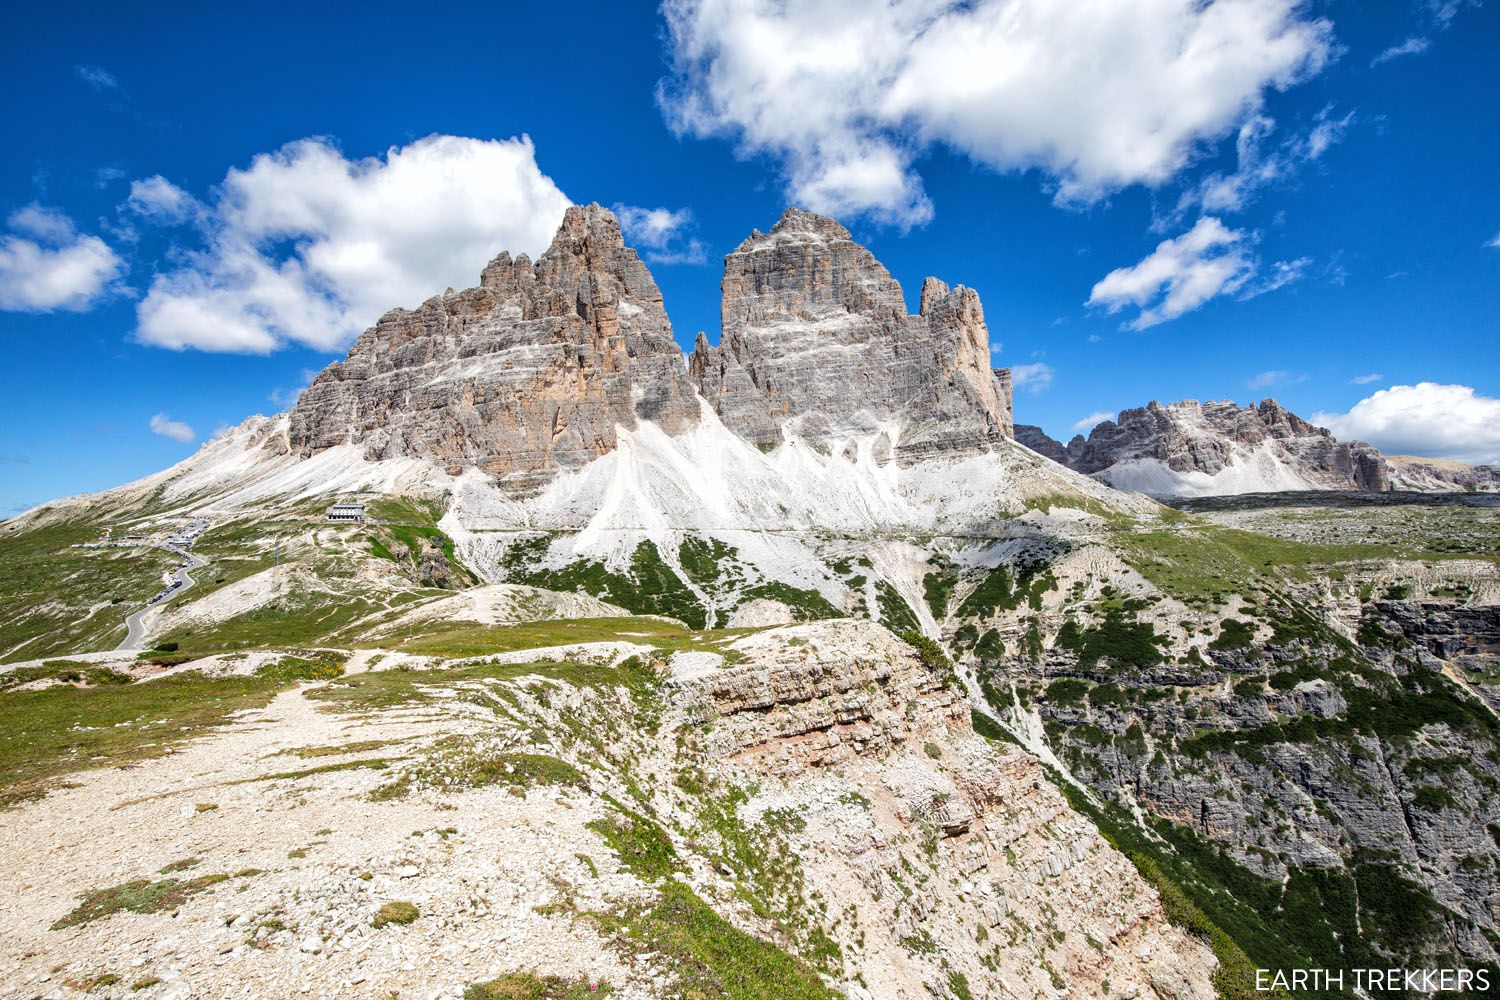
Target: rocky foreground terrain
687	677
607	813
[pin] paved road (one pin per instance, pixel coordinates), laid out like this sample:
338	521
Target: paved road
135	628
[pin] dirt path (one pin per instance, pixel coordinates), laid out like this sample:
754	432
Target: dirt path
318	858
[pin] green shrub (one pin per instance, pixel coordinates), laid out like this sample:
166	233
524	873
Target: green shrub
399	912
1233	634
1067	691
990	646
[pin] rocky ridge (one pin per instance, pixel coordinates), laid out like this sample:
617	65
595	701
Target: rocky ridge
817	788
1193	448
1410	472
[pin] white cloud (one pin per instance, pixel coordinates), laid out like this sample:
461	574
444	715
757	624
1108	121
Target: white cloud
97	77
663	234
1091	421
847	94
1494	242
1366	379
43	223
306	246
1185	272
1282	273
1436	16
1267	379
1032	378
159	200
1412	46
1179	275
1442	12
57	267
1429	419
174	429
1258	167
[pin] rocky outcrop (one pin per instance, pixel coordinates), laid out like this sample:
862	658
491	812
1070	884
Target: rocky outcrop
1442	475
817	342
531	372
949	858
526	374
1197	449
1040	442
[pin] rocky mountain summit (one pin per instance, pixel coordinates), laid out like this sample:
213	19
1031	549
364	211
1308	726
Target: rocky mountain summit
533	371
816	338
1192	448
530	372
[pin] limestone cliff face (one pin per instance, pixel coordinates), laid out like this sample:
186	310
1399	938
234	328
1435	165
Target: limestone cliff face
945	856
1216	447
817	339
525	375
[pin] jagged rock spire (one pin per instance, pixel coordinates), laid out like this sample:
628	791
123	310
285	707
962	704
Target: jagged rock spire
816	337
522	376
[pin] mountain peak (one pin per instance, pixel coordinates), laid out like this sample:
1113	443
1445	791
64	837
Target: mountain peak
817	341
1192	448
527	374
535	370
800	221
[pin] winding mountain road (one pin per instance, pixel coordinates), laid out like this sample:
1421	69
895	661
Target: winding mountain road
135	625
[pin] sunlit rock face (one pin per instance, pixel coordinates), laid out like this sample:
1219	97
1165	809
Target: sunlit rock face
817	342
528	374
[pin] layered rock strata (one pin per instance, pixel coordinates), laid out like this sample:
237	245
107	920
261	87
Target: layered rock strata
947	858
531	372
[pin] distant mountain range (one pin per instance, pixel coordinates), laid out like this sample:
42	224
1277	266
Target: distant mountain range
1207	449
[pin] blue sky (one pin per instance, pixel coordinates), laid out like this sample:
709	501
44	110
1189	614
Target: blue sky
1305	212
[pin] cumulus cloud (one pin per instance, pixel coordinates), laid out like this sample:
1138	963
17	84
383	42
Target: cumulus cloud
1185	272
663	235
1495	243
1091	421
174	429
848	94
46	264
308	246
1365	379
1032	378
159	200
1428	419
41	222
1179	275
